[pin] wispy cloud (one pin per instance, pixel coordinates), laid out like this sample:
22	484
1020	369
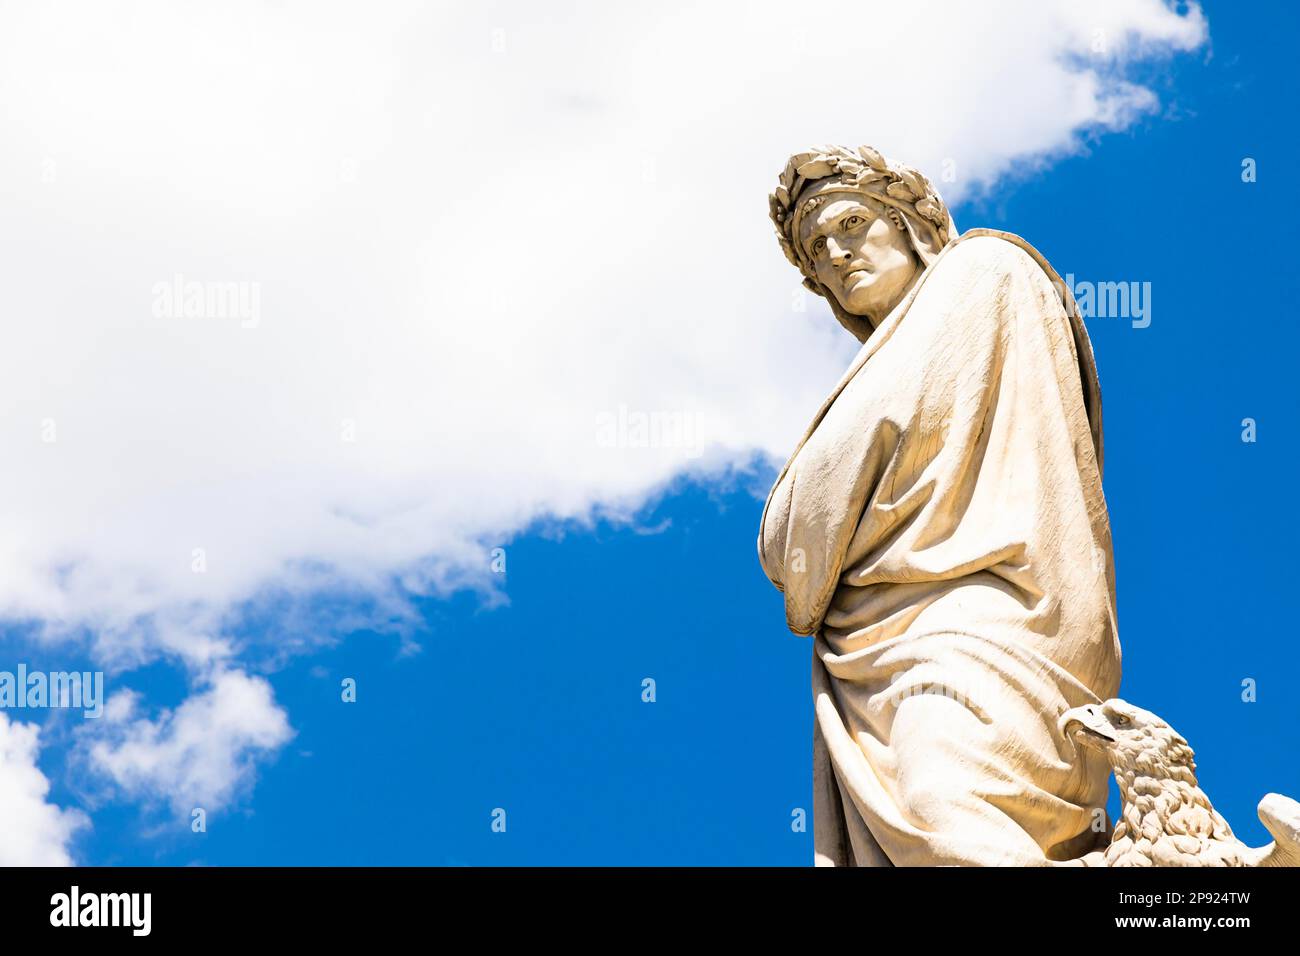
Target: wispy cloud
199	756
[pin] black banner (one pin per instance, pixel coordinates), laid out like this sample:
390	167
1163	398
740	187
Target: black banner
329	905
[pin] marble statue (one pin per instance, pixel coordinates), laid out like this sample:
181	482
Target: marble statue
941	532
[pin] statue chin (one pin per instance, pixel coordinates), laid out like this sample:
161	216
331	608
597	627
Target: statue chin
864	308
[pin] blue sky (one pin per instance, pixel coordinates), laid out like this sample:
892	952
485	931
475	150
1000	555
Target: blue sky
527	696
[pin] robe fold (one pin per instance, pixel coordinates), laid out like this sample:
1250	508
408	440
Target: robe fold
941	531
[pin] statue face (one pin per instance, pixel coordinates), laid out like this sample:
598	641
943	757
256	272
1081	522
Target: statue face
862	256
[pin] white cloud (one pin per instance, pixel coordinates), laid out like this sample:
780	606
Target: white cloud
202	754
33	832
472	231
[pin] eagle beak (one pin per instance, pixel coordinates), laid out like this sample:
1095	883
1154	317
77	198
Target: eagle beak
1087	718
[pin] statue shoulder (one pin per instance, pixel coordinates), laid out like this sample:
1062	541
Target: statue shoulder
982	258
994	248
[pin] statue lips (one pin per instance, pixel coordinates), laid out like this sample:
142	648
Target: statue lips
850	278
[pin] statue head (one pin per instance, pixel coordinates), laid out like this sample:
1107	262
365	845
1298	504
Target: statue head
859	228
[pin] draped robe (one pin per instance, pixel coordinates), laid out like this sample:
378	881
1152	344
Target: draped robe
941	531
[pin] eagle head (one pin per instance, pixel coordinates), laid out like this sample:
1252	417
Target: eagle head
1132	739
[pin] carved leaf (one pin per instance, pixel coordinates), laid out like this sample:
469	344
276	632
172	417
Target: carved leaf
872	158
913	182
928	208
816	169
900	190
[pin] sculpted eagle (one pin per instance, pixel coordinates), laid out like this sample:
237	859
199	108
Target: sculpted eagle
1167	820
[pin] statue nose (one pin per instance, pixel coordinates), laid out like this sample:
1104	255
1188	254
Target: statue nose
837	254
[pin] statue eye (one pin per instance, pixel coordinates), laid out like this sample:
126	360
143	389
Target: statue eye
818	246
1121	720
853	221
